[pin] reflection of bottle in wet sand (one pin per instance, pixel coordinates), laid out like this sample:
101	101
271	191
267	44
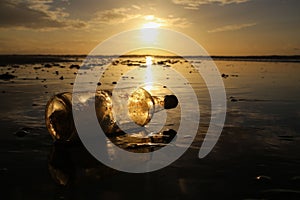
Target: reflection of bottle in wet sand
141	107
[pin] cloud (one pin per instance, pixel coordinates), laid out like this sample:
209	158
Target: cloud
232	27
136	7
48	15
195	4
171	21
35	14
123	15
116	15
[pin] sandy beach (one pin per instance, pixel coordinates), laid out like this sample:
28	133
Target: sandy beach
256	157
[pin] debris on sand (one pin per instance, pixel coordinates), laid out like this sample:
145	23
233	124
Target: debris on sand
233	99
7	76
47	66
74	66
22	132
224	75
36	68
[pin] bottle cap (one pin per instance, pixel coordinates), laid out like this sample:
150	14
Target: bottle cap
170	101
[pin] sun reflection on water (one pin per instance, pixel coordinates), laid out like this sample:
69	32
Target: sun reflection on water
149	73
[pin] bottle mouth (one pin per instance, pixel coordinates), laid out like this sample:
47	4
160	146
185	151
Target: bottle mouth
170	101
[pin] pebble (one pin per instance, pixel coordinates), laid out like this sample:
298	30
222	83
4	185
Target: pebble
233	100
36	68
7	76
74	66
224	75
22	132
47	66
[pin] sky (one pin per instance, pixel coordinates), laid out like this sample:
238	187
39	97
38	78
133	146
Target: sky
221	27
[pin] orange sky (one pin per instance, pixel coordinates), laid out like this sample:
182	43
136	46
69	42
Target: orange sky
222	27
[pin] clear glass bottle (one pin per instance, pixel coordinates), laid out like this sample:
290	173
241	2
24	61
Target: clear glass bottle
141	106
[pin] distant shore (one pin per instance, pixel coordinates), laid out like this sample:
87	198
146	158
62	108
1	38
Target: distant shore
31	59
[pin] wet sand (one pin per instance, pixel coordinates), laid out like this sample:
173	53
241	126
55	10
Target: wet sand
257	155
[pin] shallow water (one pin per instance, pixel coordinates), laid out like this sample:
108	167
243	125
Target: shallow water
257	155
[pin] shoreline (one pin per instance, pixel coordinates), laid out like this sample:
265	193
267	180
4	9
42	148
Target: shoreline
8	59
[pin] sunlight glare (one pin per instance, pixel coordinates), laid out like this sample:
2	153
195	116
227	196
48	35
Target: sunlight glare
149	35
151	25
149	73
148	60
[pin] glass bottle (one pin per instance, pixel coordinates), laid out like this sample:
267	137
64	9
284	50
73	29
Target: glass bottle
141	106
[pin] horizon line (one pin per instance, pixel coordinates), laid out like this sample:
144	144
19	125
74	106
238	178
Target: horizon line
140	55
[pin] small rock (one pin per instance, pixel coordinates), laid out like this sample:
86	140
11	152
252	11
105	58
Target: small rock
61	78
224	75
7	76
22	132
233	100
36	68
47	66
263	178
56	72
74	66
114	82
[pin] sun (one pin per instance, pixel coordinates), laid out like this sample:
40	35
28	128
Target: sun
152	22
151	25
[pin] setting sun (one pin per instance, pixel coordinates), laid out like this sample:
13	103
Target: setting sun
153	22
151	25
